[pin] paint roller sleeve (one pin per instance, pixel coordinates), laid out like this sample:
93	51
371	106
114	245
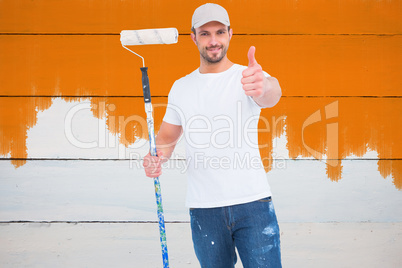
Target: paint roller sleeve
149	36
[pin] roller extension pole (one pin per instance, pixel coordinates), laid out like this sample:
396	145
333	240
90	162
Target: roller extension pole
152	145
148	37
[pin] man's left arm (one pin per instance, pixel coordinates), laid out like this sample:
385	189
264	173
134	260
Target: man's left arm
265	91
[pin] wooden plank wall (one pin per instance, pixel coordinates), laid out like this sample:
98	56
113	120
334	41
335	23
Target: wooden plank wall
338	61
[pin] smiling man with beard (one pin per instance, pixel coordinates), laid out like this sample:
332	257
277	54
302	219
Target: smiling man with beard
230	206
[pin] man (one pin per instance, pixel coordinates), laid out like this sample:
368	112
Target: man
216	108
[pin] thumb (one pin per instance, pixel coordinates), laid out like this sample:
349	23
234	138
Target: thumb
251	56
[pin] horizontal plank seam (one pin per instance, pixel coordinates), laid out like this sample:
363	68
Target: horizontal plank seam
171	222
183	159
240	34
165	96
75	96
77	222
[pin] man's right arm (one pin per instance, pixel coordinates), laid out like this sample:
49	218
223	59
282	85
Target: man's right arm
166	141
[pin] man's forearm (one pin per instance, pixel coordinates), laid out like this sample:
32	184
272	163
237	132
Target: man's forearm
165	147
272	93
167	139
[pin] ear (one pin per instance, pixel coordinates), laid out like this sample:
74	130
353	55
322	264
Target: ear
193	38
230	33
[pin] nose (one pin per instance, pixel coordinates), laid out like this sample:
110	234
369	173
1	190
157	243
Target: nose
213	41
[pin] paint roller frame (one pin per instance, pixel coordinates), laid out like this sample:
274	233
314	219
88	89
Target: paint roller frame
147	37
151	37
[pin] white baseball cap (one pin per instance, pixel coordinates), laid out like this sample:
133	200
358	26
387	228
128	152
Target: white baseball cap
209	12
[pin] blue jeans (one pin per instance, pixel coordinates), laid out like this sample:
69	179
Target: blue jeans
252	228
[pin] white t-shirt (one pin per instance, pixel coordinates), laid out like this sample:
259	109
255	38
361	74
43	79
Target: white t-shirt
220	125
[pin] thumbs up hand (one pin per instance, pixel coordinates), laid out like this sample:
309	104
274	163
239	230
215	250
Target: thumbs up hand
254	81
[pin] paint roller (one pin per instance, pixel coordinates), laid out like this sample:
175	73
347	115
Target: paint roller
151	37
147	37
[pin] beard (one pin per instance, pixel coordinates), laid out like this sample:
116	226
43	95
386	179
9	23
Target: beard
216	57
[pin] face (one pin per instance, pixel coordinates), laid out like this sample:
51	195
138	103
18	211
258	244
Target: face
212	40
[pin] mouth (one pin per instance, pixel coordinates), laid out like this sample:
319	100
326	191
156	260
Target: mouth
214	49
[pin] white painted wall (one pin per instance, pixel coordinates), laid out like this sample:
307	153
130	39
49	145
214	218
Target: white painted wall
304	245
355	222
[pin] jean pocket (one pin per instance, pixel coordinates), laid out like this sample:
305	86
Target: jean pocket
265	200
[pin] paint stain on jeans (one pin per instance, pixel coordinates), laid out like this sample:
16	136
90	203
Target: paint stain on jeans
268	231
261	253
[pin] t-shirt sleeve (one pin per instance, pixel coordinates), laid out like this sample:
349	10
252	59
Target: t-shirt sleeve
172	115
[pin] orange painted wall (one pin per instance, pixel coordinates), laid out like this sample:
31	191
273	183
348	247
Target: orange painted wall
344	53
